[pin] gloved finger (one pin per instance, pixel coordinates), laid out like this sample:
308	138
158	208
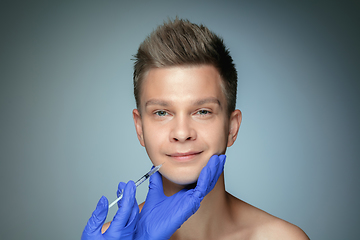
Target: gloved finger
97	219
217	167
155	184
133	219
128	232
220	166
209	175
125	206
202	183
209	172
121	187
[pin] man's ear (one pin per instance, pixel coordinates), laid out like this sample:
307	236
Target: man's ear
234	125
138	126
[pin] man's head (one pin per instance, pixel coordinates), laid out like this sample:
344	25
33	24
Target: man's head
185	89
182	43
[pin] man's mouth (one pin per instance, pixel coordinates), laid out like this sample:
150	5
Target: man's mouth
184	156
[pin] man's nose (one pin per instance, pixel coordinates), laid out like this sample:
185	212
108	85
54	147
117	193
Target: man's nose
182	130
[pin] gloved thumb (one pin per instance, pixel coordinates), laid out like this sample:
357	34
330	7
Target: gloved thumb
97	219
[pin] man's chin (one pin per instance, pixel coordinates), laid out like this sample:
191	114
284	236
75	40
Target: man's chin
186	182
183	177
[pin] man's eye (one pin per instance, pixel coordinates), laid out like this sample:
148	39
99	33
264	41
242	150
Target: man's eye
203	112
161	113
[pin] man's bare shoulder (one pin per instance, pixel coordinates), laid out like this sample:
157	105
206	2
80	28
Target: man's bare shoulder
254	223
280	229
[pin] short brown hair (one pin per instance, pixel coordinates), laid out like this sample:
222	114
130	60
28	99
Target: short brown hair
180	42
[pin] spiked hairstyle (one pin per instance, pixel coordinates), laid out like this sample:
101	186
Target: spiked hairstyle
182	43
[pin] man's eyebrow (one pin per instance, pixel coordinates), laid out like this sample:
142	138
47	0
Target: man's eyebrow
157	102
197	102
208	100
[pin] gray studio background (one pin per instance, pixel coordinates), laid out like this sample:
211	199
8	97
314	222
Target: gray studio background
66	130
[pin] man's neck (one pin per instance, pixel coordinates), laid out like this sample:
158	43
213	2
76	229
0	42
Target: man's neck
210	219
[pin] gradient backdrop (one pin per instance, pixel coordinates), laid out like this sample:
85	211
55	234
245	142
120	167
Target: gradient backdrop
67	136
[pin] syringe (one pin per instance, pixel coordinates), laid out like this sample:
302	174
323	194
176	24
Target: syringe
138	182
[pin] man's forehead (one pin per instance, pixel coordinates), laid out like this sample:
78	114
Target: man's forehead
198	84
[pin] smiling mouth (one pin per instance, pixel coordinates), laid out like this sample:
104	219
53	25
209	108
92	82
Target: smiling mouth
183	157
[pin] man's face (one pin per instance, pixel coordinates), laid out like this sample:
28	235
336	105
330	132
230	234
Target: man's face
184	120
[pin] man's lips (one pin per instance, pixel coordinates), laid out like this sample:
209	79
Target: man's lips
178	154
184	156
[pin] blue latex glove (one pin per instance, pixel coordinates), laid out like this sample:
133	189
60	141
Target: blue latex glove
124	223
161	216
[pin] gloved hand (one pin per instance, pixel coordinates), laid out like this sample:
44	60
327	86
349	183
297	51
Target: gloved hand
124	223
161	216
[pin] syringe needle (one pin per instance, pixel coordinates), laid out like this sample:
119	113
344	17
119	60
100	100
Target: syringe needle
138	182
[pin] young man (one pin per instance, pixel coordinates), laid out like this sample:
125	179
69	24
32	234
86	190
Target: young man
185	89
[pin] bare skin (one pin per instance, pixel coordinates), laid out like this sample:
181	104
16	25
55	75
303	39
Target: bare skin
184	111
234	219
